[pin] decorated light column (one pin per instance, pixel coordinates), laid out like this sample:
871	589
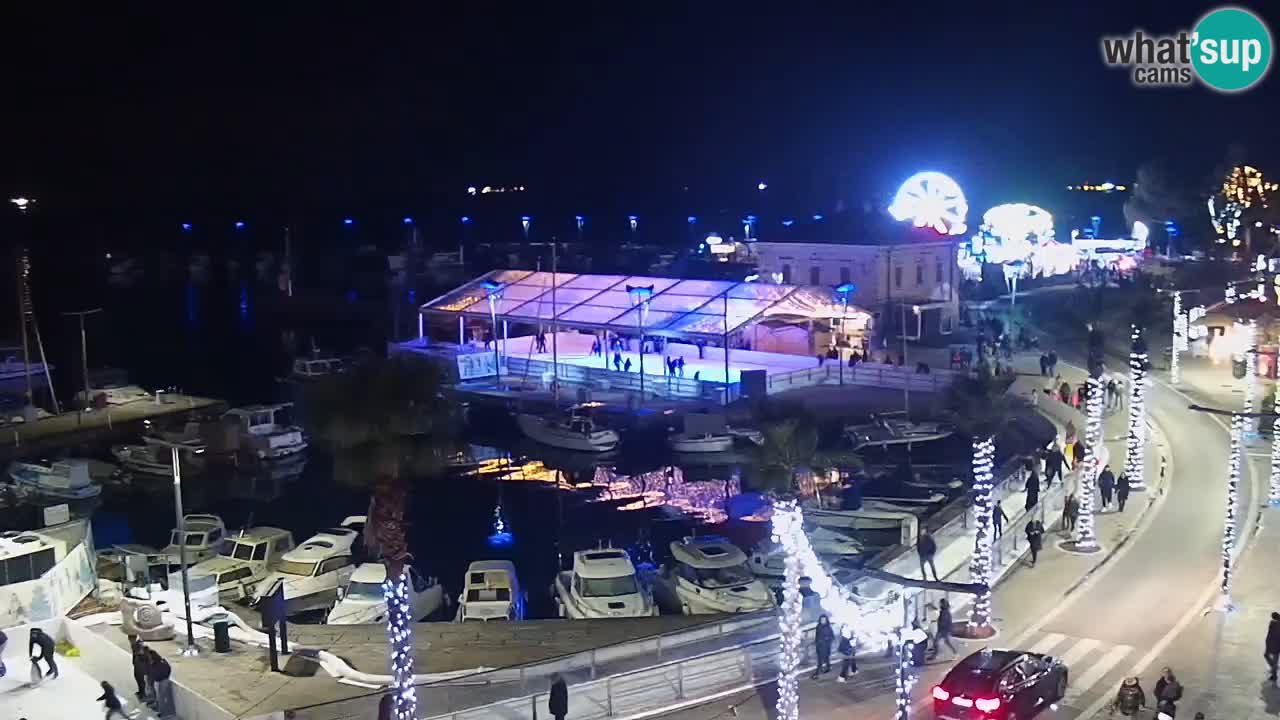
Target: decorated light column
1273	498
1179	339
399	627
1135	449
980	565
791	634
1233	502
904	678
1086	536
1250	373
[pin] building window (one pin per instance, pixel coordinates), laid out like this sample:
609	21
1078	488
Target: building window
897	277
937	272
919	275
786	273
844	275
815	275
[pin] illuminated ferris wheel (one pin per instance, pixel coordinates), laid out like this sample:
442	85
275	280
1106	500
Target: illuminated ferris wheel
932	200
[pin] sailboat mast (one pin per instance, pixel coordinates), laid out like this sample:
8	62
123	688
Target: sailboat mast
555	355
22	267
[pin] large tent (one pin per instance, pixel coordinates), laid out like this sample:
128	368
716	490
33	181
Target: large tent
687	309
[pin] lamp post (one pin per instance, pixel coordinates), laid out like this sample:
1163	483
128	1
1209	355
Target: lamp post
174	449
84	357
640	296
843	290
494	291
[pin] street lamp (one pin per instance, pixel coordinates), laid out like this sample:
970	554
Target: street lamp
843	290
174	449
640	296
84	358
494	291
22	203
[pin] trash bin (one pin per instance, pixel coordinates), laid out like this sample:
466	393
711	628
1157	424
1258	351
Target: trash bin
222	635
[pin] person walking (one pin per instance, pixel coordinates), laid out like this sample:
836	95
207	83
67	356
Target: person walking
1168	692
1033	490
41	641
927	548
1270	649
1129	698
1107	485
849	665
626	366
997	519
944	627
160	672
1070	512
111	702
823	636
558	698
140	662
1122	491
1035	537
1044	365
617	361
541	343
920	644
1053	461
1053	362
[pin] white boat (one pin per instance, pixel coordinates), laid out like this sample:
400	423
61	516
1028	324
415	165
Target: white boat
65	479
602	584
316	367
361	601
709	575
152	458
491	591
700	443
311	573
262	433
769	558
576	432
203	541
245	558
865	519
894	429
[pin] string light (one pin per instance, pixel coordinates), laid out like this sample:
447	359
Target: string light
1086	537
1180	344
1233	500
980	565
1135	450
1273	498
904	678
400	629
1250	371
791	633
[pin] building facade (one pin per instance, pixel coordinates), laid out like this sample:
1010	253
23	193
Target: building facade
913	285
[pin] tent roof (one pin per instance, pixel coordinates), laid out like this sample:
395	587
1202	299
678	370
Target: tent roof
677	307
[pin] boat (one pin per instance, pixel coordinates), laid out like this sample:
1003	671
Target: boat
888	429
316	367
700	442
768	559
578	432
189	438
491	591
114	395
361	601
602	584
863	519
709	575
245	558
203	541
311	573
64	479
154	458
262	433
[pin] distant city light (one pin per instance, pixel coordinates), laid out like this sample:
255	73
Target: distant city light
22	203
485	190
186	227
751	278
239	224
817	218
691	219
579	218
788	222
762	185
932	200
471	189
714	239
466	220
348	221
407	221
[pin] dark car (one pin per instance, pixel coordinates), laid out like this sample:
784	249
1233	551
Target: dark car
1000	685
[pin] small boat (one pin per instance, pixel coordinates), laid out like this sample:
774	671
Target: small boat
864	519
895	429
188	439
64	479
700	443
264	435
203	540
244	559
312	573
153	458
769	559
709	575
361	601
755	437
577	432
602	584
316	367
491	591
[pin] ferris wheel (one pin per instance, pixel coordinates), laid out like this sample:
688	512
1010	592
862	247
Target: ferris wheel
932	200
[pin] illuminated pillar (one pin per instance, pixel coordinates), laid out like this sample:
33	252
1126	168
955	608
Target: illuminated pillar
980	565
1179	339
1135	449
1086	537
790	631
1233	501
1273	497
1250	374
400	628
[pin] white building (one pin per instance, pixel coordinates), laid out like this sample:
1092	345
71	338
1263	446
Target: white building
915	281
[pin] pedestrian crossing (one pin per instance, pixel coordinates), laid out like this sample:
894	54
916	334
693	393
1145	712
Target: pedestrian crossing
1094	667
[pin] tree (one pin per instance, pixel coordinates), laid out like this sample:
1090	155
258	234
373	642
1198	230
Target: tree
1158	196
982	408
390	416
790	447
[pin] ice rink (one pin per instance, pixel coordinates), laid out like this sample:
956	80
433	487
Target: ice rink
70	696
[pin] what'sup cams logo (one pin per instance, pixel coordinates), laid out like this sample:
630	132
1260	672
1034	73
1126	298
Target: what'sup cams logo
1229	50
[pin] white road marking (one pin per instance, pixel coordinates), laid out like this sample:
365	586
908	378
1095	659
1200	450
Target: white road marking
1098	671
1048	642
1079	651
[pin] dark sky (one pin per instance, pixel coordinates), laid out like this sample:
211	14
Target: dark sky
290	107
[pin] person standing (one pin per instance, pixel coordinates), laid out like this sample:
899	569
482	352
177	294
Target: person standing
111	702
1035	537
1053	362
626	366
927	548
1033	490
140	662
1053	461
1106	484
617	361
1271	648
558	698
945	624
1044	365
1070	511
387	707
160	673
1122	491
41	640
1168	693
849	665
997	519
823	636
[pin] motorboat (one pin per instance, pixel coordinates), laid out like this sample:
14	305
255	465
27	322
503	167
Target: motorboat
709	575
700	442
64	479
602	584
311	573
203	539
361	601
578	431
768	559
316	367
862	519
188	439
245	558
155	458
895	429
264	435
491	591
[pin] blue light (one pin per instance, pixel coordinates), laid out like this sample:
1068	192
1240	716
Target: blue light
466	220
579	218
817	218
845	288
525	218
239	224
186	227
632	218
692	219
788	222
407	221
348	221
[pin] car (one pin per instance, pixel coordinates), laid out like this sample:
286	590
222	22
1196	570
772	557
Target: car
1000	685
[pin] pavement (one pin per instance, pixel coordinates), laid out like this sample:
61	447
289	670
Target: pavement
70	695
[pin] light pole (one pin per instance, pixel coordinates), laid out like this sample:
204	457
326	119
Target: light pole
84	357
494	291
843	290
640	295
174	449
906	379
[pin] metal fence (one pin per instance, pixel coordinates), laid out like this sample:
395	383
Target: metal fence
665	386
887	376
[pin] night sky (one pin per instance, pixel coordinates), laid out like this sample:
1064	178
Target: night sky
289	108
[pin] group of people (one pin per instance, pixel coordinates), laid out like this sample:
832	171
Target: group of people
1108	485
152	673
1131	698
824	637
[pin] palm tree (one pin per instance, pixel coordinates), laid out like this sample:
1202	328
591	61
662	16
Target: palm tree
388	416
981	410
790	448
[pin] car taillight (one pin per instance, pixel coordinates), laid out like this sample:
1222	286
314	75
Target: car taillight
940	694
988	704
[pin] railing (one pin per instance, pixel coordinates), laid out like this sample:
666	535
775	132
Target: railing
887	376
665	386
